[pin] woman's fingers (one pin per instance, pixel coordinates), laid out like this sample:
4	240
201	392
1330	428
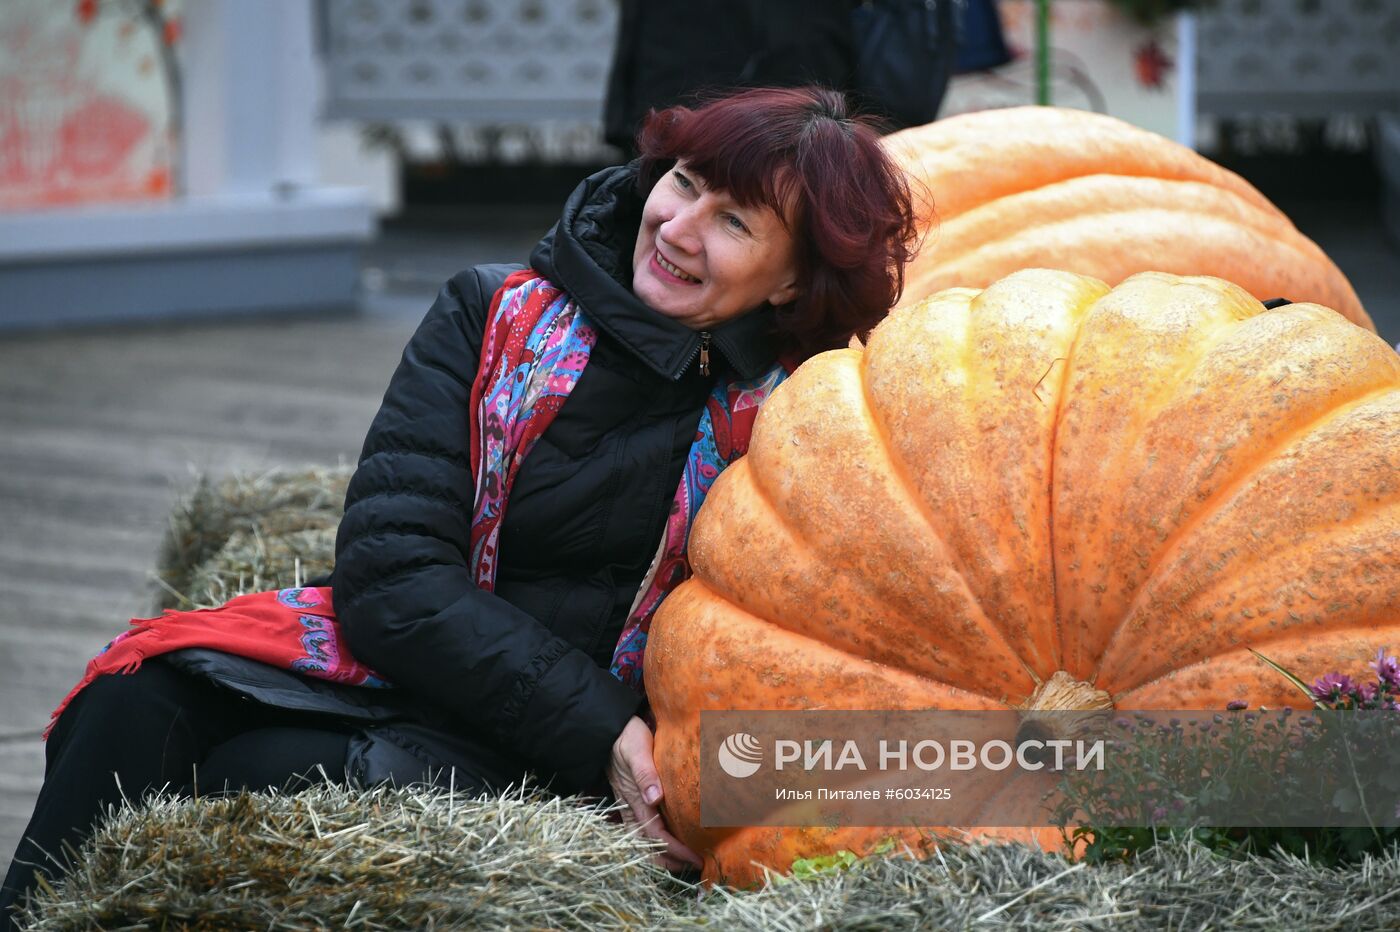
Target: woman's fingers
648	819
635	782
675	848
673	865
636	746
654	827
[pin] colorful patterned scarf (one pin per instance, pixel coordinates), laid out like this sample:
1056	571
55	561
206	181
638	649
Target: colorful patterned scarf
535	348
721	438
534	351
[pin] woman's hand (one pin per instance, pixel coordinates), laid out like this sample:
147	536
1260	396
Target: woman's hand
632	773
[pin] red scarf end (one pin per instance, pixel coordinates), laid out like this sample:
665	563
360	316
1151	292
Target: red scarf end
122	656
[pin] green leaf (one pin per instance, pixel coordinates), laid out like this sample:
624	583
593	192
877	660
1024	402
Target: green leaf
809	868
1302	687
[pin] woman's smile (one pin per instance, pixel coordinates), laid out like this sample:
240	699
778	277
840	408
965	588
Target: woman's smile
670	270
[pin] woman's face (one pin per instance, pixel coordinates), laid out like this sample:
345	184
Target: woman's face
702	259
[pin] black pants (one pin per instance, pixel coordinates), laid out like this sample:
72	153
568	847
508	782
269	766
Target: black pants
160	728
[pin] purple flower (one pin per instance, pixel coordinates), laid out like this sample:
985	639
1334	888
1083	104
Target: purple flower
1387	669
1158	814
1234	705
1332	687
1366	693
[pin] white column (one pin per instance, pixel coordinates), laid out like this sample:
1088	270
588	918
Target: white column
251	97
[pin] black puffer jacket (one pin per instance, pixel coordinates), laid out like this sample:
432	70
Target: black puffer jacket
495	684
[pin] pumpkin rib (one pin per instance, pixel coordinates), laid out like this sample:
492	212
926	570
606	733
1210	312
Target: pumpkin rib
982	170
1064	200
958	376
902	681
1066	379
716	583
1268	675
1342	536
713	581
1170	218
1170	387
1061	131
1221	243
1131	434
1339	580
942	594
1040	234
901	469
1213	305
939	216
1217	501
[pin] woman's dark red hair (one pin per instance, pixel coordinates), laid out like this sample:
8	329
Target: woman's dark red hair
850	210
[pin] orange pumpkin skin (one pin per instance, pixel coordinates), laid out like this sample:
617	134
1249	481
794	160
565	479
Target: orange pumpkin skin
1024	187
1131	485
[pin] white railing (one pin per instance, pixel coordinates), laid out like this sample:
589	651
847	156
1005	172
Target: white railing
469	61
1303	58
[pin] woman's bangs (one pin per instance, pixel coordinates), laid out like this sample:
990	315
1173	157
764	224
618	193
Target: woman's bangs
737	156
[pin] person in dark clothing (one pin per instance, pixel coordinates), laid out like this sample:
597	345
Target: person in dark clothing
466	643
666	52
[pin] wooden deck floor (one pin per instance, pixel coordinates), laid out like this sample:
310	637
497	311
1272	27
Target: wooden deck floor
99	431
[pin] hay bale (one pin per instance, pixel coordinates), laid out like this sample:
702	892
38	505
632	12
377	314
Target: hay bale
247	533
1179	884
250	562
422	858
385	859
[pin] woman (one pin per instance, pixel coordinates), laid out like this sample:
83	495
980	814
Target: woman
761	227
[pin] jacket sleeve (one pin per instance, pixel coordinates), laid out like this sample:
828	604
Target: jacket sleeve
403	588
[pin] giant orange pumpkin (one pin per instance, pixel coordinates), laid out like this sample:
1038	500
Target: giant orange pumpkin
1128	486
1002	190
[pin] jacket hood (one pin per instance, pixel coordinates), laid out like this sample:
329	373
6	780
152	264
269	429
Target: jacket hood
588	253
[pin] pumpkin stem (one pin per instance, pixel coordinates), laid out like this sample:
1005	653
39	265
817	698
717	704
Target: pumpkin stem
1063	693
1045	711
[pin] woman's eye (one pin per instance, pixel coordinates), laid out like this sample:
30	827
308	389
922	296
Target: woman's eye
735	223
682	180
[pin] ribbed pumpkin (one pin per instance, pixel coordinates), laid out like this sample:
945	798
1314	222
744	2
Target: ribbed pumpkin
1067	189
1132	486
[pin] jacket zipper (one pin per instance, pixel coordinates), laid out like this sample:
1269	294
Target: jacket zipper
703	351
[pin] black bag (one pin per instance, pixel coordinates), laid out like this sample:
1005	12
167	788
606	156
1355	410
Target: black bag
905	50
981	45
